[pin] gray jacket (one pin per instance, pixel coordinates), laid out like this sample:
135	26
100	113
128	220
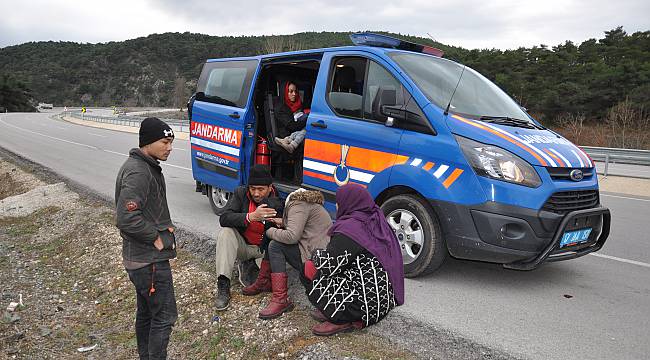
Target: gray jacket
306	223
141	210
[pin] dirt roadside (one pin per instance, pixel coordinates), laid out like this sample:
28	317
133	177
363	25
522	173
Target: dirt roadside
61	253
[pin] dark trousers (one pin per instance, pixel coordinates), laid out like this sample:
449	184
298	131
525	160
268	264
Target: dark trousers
156	312
279	254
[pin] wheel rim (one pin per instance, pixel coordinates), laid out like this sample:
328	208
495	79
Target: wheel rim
220	197
408	230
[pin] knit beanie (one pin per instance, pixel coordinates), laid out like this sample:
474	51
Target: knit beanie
259	175
153	129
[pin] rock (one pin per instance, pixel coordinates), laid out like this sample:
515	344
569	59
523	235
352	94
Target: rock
205	332
12	306
45	331
87	348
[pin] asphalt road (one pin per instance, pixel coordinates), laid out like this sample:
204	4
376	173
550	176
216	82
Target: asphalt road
594	307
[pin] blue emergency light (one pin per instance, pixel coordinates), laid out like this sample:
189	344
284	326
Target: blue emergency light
370	39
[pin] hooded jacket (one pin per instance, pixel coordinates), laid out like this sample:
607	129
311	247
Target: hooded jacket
141	210
306	223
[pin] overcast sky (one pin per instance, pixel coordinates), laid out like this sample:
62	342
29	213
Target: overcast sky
471	24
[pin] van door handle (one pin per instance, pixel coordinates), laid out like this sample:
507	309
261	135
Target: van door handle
319	124
234	115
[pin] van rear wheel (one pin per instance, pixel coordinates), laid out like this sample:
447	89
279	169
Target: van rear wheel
418	232
218	199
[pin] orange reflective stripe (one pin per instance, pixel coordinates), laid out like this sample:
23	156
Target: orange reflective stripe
364	159
428	166
562	164
452	178
509	139
329	178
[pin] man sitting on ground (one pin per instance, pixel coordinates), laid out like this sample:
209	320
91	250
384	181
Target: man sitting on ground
243	228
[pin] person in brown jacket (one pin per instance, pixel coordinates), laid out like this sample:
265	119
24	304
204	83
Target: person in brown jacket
303	229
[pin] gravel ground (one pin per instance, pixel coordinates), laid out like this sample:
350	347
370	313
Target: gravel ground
64	258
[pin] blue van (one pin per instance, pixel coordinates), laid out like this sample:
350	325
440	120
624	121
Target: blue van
457	166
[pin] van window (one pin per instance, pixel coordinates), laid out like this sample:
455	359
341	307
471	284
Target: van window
475	96
226	83
346	90
380	79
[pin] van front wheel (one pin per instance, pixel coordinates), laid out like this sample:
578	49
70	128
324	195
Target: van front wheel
418	232
218	199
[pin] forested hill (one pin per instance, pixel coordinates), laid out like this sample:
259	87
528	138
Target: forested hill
161	69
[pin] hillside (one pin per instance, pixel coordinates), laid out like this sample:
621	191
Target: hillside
161	69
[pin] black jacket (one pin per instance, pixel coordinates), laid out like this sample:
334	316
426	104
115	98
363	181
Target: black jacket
141	210
234	215
285	121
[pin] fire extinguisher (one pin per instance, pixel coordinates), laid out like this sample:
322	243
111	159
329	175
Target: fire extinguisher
262	152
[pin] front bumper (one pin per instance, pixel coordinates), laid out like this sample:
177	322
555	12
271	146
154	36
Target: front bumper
520	238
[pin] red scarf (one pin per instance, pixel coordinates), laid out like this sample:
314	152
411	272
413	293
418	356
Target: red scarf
296	105
255	229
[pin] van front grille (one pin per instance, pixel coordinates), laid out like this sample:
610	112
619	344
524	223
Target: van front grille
566	201
565	173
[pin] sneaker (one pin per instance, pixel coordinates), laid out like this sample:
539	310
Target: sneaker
248	272
223	293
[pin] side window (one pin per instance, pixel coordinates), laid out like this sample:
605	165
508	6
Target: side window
226	83
381	85
346	89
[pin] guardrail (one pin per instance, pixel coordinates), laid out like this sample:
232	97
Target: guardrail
620	156
134	121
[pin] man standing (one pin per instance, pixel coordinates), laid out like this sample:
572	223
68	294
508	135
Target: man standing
243	228
148	240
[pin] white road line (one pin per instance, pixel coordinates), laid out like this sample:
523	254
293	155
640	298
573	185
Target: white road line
621	260
101	136
84	145
625	197
179	149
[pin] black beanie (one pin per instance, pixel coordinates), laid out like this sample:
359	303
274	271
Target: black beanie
260	175
153	129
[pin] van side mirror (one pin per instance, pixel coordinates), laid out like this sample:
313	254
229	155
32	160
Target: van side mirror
384	98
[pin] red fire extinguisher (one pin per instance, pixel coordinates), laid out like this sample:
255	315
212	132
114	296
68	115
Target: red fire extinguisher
262	152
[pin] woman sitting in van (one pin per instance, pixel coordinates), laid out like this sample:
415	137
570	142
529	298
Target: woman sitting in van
359	277
291	119
303	229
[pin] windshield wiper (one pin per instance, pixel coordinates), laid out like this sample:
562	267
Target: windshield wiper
505	120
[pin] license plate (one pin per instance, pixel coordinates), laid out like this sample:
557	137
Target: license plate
575	237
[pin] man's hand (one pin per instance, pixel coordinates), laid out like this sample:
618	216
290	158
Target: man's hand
158	244
277	221
262	212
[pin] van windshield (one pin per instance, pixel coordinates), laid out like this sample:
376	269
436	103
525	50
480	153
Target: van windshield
476	96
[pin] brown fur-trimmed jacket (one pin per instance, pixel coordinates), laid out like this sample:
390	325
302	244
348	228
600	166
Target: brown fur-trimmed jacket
306	223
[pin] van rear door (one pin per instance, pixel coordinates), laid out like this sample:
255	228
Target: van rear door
221	116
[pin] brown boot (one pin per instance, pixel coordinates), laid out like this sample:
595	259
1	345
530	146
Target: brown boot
327	328
263	282
280	302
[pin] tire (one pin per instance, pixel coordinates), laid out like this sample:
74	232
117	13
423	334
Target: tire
218	199
418	231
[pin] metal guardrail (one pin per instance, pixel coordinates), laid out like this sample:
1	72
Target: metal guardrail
133	121
620	156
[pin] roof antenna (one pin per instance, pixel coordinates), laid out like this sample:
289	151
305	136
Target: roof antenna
454	93
432	38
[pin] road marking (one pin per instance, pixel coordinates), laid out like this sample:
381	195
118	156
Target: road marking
622	260
179	149
101	136
84	145
625	197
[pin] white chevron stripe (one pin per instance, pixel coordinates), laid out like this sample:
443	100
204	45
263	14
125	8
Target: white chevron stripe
213	146
568	163
582	164
441	171
538	151
590	163
416	162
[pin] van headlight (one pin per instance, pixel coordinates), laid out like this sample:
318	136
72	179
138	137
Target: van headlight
497	163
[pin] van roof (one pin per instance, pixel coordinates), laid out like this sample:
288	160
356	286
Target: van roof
369	42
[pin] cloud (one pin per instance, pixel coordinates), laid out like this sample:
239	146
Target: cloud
467	23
